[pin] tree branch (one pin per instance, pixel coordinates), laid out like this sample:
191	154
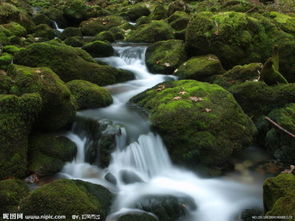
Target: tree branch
280	127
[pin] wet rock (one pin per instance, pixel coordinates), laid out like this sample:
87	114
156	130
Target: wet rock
111	178
247	214
166	207
132	13
99	48
129	177
70	32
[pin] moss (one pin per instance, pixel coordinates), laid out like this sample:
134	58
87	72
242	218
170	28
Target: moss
165	56
201	68
132	13
95	25
75	41
110	36
152	32
89	95
44	31
137	217
99	49
236	38
70	32
277	142
76	63
199	122
239	74
5	60
11	49
17	114
286	22
67	197
276	192
241	6
177	6
15	29
11	193
256	98
5	84
10	12
160	12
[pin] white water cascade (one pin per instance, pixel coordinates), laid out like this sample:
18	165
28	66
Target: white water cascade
144	154
57	27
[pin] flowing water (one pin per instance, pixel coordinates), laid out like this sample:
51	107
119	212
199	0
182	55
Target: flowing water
57	27
142	152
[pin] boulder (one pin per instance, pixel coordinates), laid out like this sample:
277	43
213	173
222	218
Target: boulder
201	68
160	12
277	142
95	25
239	74
58	105
17	115
279	195
151	32
200	123
70	63
45	32
99	48
132	13
68	197
70	32
12	191
166	207
75	41
165	56
236	38
89	95
257	98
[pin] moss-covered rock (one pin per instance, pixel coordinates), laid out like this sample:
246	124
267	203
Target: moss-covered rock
176	6
160	12
110	36
89	95
67	197
17	114
11	12
165	56
58	107
11	193
70	63
236	38
74	41
95	25
70	32
239	74
151	32
11	49
132	13
257	98
200	123
99	48
279	196
44	31
201	68
284	21
5	60
15	29
137	217
277	142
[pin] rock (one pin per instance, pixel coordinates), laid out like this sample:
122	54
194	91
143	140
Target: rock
95	25
48	153
166	207
17	115
270	71
44	31
76	63
137	217
129	177
277	142
160	12
110	178
151	32
165	56
11	193
132	13
188	115
247	214
12	49
89	95
109	36
67	196
279	196
239	74
5	60
175	6
58	105
201	68
287	66
75	41
284	21
257	98
70	32
99	49
15	29
235	38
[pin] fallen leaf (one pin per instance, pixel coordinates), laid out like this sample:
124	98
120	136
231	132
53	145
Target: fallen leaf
160	87
177	98
207	110
182	92
196	99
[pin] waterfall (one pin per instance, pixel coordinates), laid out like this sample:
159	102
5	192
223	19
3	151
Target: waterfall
56	27
142	155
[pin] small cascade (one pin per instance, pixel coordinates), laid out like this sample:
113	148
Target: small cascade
140	163
56	27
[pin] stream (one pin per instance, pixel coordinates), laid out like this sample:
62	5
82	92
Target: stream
142	151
